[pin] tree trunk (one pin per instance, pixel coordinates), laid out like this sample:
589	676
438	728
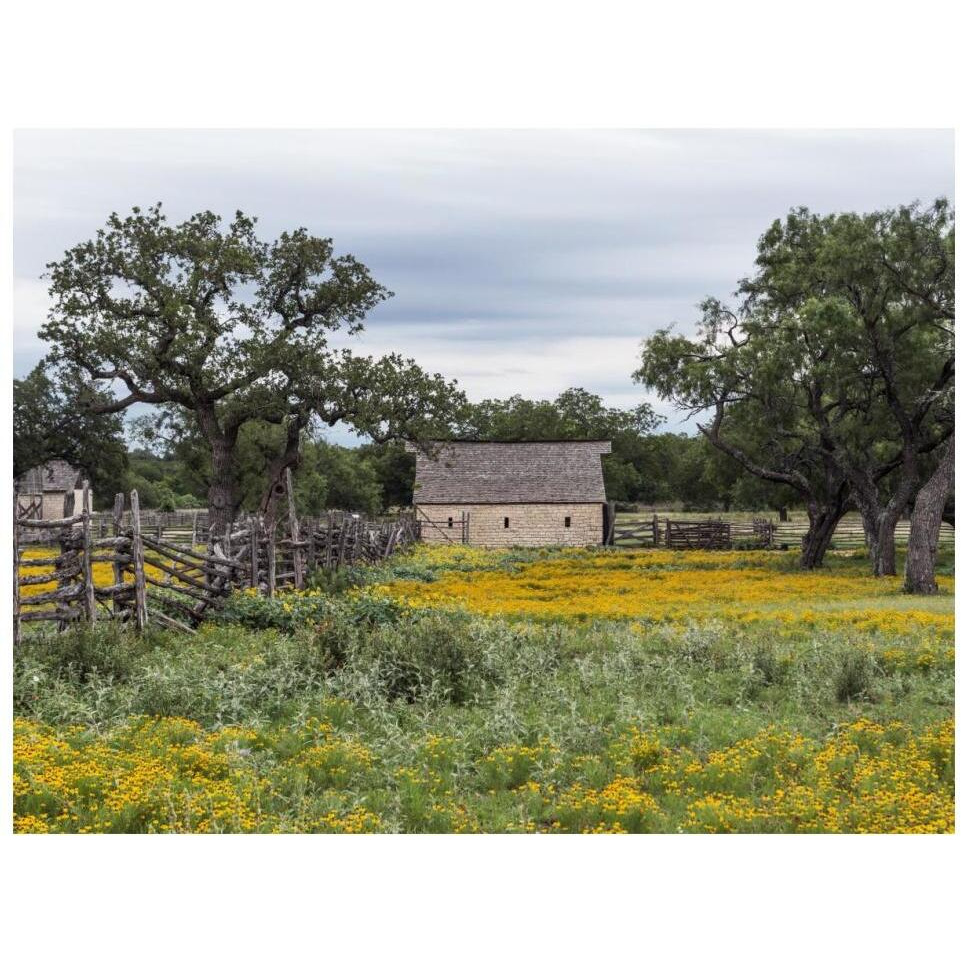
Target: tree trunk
289	457
222	500
886	522
926	526
823	519
222	493
883	549
869	521
880	520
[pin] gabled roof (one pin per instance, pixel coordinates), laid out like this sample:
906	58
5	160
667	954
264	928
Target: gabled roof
54	475
545	472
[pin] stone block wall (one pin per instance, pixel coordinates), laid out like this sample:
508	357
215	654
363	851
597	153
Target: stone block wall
529	525
53	503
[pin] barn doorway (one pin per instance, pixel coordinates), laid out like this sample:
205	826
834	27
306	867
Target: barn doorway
608	523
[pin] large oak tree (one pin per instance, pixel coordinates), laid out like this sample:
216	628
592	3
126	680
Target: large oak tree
834	373
206	319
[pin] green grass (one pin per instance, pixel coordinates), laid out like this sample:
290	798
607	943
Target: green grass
349	713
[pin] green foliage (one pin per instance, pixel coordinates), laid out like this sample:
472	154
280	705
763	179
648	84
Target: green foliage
51	419
855	675
393	467
426	658
834	374
337	580
476	724
221	330
163	482
576	414
317	711
350	481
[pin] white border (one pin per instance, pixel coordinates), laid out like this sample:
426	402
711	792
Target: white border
498	64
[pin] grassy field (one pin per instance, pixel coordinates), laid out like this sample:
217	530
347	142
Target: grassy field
461	690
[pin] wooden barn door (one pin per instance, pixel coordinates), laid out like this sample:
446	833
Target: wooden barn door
609	514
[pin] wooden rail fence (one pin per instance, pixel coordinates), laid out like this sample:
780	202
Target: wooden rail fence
849	534
692	535
154	576
455	531
653	531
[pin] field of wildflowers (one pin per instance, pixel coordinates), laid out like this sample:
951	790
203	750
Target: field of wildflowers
653	586
102	572
462	690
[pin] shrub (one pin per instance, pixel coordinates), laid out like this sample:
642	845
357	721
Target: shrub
109	649
855	676
422	658
337	580
769	666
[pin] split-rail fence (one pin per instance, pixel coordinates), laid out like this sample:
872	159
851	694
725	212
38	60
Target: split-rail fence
77	568
691	535
632	530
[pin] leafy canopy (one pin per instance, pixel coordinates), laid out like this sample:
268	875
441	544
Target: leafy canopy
52	419
199	316
838	359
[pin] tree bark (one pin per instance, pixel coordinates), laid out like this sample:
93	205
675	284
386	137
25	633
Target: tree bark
222	493
822	520
879	518
288	458
883	553
222	498
926	526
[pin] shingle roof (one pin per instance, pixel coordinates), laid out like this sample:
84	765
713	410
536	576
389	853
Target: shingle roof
469	472
54	475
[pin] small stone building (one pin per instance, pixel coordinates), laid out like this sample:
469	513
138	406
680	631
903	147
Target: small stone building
42	491
501	494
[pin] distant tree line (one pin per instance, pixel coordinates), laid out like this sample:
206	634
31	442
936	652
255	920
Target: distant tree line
171	467
828	382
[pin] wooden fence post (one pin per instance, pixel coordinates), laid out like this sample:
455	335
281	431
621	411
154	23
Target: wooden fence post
342	544
610	535
254	551
271	558
294	532
311	546
89	600
16	574
328	547
118	505
136	551
66	544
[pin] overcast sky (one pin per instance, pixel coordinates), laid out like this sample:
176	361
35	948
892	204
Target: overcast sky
521	262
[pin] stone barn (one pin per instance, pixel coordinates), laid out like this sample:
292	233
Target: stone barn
42	491
501	494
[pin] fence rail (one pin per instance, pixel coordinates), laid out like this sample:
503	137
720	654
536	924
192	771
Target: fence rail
155	576
629	531
849	535
699	535
455	531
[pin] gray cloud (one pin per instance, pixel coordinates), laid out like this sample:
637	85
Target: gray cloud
522	261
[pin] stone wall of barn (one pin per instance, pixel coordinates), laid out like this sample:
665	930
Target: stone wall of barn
528	525
53	503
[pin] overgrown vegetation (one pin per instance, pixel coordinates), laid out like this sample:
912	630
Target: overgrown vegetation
354	710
